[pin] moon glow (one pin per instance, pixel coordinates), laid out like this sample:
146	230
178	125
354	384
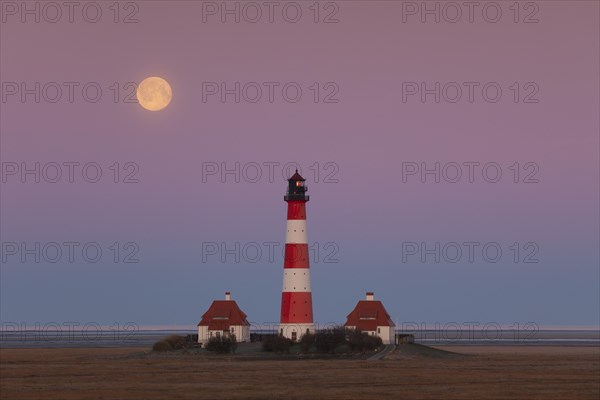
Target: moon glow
154	93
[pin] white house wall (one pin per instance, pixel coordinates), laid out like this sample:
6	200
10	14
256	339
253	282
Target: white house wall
386	333
241	332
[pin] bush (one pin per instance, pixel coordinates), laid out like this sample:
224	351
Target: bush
361	341
306	342
170	343
222	344
277	344
327	340
162	345
176	342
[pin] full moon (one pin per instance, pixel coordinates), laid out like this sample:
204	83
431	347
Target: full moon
154	93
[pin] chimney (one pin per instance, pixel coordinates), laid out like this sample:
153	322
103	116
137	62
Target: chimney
370	296
227	296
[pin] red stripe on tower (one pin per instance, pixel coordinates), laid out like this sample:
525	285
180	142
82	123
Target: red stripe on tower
296	298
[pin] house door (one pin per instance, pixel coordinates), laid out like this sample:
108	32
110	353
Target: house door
294	337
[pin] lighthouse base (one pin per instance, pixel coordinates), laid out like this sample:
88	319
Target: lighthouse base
295	331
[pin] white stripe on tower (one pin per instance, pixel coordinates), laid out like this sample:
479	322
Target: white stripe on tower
296	280
296	231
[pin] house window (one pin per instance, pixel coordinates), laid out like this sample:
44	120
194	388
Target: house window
232	330
294	336
378	330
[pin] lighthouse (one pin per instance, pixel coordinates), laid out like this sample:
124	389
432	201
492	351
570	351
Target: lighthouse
296	298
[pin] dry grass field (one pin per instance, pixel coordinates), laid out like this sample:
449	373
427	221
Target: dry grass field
487	372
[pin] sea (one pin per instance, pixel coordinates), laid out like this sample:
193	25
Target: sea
97	336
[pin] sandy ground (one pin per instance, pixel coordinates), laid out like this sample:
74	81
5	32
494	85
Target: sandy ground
484	372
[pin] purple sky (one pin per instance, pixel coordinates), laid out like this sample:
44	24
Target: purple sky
362	208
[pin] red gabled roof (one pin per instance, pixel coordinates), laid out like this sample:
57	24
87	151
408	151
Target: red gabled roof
222	314
368	315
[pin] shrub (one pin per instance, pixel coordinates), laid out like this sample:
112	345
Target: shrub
373	343
222	344
162	345
361	341
277	344
306	342
327	340
177	342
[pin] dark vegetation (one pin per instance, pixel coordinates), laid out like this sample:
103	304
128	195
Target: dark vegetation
277	344
336	340
327	341
170	343
222	344
362	342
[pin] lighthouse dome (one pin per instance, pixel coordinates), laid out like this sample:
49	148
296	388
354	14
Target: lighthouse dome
296	177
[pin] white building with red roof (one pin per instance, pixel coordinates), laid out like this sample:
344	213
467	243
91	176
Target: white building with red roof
370	316
224	317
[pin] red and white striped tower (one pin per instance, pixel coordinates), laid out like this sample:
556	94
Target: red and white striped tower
296	299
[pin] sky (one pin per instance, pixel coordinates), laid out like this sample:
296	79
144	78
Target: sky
453	165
